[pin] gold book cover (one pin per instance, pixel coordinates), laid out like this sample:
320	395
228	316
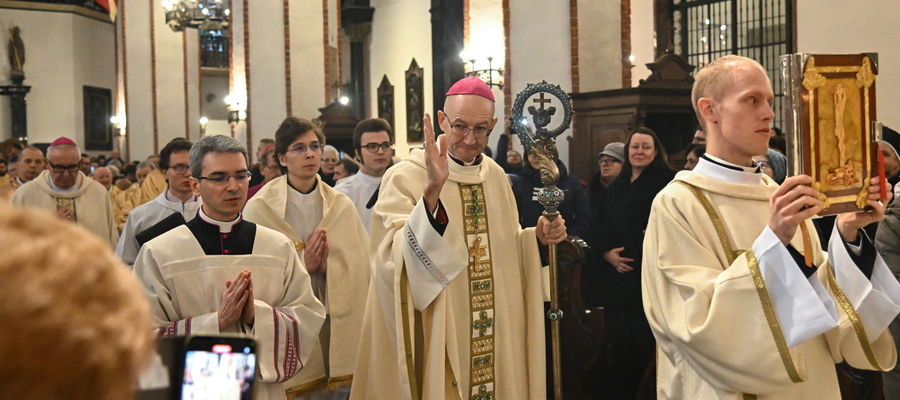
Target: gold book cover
829	106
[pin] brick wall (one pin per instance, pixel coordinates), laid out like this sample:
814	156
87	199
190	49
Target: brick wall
573	28
287	57
507	75
626	43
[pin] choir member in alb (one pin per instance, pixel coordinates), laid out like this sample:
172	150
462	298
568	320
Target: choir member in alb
221	274
332	242
68	193
736	312
447	243
373	141
171	208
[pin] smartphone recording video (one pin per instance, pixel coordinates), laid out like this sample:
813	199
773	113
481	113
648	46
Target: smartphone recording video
218	369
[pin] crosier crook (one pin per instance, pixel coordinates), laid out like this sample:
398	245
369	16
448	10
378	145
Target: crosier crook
542	144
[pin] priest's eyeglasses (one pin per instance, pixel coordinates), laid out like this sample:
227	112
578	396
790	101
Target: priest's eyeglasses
60	168
373	147
463	130
222	179
180	168
301	148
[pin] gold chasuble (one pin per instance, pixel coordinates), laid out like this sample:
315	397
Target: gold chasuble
154	184
8	185
733	313
456	314
344	288
123	201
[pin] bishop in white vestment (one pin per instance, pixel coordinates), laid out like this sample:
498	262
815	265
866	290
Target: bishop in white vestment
455	307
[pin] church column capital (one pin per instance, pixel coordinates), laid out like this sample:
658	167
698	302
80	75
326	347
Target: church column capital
358	32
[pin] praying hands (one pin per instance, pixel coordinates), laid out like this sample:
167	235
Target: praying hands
237	301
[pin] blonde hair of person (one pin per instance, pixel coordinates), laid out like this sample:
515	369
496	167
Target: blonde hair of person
715	78
75	323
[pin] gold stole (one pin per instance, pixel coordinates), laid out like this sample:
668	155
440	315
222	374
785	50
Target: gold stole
481	292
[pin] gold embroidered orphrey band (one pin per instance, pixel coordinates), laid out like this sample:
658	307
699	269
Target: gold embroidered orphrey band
758	282
481	292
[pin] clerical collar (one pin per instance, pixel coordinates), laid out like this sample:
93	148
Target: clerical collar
717	168
224	227
174	199
296	191
59	189
476	161
371	178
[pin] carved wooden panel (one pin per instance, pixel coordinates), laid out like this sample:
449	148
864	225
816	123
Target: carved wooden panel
415	108
661	102
386	101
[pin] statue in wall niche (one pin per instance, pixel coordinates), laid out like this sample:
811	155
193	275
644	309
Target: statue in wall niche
16	49
415	107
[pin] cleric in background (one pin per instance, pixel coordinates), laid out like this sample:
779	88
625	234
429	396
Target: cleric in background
65	191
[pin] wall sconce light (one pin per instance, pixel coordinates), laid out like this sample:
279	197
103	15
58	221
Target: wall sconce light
490	75
203	122
234	116
118	123
344	100
236	109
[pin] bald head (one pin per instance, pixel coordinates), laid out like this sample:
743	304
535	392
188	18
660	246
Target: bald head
104	176
468	119
716	78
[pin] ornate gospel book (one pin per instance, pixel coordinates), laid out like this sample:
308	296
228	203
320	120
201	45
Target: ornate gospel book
829	114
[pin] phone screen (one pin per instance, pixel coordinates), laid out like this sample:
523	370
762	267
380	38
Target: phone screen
223	370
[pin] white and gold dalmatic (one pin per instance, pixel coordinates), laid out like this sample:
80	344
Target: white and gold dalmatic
456	314
734	315
343	291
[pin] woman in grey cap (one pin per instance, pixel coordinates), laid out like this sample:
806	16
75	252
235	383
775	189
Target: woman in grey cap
618	237
609	162
599	275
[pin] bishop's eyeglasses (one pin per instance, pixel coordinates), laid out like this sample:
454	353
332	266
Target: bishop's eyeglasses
463	130
60	168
